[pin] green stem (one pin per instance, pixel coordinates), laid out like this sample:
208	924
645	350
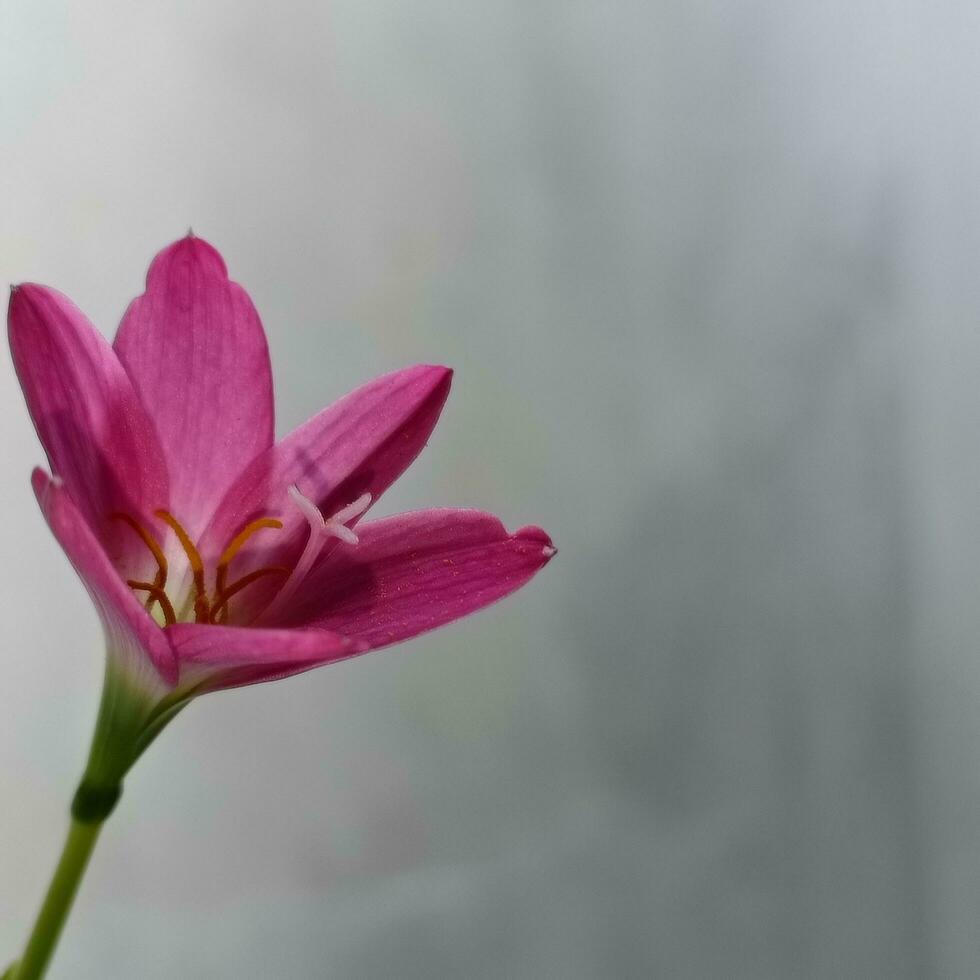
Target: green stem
58	901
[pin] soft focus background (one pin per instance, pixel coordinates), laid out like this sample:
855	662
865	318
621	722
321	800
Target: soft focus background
709	273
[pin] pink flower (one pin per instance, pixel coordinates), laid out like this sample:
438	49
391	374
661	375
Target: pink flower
215	556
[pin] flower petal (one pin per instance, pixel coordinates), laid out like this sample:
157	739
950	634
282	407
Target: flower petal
131	632
196	351
216	657
97	436
358	445
413	572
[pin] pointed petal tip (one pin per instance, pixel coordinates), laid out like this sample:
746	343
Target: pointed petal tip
189	250
35	299
25	290
430	378
437	377
28	307
435	374
441	372
538	537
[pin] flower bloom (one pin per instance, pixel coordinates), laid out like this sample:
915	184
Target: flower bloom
216	556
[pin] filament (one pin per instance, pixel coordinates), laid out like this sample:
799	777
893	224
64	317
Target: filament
201	606
156	593
221	599
235	546
151	542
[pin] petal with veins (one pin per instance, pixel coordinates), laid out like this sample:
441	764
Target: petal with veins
131	631
414	572
359	445
196	351
91	423
217	657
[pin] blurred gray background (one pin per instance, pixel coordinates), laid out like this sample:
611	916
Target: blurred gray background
709	273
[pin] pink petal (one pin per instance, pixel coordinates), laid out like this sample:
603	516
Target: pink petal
358	445
97	436
196	351
413	572
217	657
131	633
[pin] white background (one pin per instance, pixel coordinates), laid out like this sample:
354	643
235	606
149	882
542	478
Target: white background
709	273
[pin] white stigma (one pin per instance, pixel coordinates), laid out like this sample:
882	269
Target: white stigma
321	530
331	526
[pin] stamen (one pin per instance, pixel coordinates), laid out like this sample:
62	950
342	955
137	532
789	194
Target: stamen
321	530
201	607
236	544
151	542
156	593
221	600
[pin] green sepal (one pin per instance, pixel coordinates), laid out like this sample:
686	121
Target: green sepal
130	718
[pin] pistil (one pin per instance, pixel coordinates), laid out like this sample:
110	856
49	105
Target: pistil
321	530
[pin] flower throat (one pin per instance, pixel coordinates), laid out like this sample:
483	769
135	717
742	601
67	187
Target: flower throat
207	608
213	608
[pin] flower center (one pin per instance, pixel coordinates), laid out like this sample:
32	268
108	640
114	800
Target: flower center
213	607
208	608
